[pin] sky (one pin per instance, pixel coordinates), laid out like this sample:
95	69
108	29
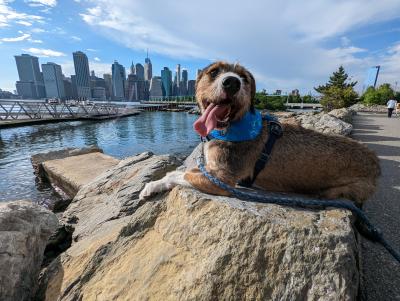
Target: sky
286	44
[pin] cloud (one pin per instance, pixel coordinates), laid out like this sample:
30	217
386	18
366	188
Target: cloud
44	52
23	37
9	15
283	43
37	30
97	59
75	38
91	50
51	3
35	41
25	23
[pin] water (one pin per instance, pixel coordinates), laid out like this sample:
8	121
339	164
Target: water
159	132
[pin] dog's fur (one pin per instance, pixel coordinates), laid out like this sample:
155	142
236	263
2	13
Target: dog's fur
302	161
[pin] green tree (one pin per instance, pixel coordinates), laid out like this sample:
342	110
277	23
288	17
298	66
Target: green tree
338	92
378	96
264	101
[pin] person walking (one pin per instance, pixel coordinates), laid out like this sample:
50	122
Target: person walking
391	105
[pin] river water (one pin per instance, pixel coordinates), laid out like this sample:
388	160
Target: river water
159	132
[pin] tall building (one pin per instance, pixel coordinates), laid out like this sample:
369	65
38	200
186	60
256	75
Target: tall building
198	73
178	78
184	83
30	84
53	80
132	68
81	64
148	68
132	94
166	79
139	71
108	81
68	88
156	87
74	87
118	81
191	87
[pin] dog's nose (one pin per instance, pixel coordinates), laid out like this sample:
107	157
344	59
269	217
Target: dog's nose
231	85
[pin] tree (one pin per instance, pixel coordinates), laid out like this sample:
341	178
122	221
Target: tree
264	101
338	92
378	96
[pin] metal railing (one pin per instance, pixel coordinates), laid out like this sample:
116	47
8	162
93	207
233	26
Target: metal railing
40	110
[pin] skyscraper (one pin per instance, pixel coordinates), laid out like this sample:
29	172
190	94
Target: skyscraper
148	68
139	71
81	64
184	83
30	84
166	78
118	81
108	80
53	80
178	74
191	87
198	73
156	87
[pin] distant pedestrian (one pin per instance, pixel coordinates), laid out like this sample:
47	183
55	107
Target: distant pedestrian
391	105
398	109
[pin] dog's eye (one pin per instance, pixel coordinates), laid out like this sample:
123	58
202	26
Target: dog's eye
214	73
245	79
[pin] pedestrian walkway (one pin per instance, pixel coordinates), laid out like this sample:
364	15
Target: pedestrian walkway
380	273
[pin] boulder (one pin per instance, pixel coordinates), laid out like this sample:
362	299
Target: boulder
72	173
325	123
359	107
186	245
38	159
24	231
344	114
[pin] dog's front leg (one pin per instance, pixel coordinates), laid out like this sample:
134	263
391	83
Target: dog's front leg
171	180
192	178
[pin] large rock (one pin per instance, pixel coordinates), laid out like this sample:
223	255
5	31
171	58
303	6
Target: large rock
72	173
186	245
344	114
24	231
359	107
325	123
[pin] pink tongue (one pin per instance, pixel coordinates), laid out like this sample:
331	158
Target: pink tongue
208	121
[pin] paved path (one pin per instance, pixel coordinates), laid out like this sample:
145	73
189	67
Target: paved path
380	279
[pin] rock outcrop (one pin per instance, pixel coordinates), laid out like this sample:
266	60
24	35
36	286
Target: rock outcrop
186	245
325	123
72	173
24	231
359	107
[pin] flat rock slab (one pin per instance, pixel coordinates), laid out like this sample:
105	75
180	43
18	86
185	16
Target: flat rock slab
72	173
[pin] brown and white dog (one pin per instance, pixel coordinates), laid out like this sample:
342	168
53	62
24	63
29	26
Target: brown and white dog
302	161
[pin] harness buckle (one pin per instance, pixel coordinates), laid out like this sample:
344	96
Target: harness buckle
275	128
264	157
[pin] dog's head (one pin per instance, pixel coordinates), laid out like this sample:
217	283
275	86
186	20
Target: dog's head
224	92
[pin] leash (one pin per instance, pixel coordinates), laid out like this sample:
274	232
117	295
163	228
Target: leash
363	224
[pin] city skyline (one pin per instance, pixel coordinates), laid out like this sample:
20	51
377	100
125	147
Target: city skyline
285	45
139	83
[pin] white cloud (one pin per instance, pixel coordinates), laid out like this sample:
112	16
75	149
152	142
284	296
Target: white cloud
9	15
91	50
44	52
24	36
37	30
75	38
97	59
283	43
35	41
51	3
25	23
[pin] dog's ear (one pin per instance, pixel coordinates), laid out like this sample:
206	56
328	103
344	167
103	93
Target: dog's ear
253	91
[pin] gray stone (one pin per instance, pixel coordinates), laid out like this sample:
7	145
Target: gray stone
344	114
325	123
24	231
115	192
186	245
359	107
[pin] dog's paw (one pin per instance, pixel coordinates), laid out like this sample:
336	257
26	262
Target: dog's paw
150	189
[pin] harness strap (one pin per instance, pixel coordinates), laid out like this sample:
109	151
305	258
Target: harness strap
275	132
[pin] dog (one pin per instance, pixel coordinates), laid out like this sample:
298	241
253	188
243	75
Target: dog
302	161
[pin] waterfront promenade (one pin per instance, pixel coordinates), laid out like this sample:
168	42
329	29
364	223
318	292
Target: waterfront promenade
380	278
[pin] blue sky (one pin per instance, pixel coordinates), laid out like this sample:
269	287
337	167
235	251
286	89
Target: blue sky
287	44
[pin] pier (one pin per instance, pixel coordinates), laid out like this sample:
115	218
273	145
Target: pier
17	113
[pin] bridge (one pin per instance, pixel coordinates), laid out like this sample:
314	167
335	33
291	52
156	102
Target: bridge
300	105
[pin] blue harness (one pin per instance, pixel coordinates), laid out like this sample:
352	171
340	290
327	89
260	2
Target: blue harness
249	128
